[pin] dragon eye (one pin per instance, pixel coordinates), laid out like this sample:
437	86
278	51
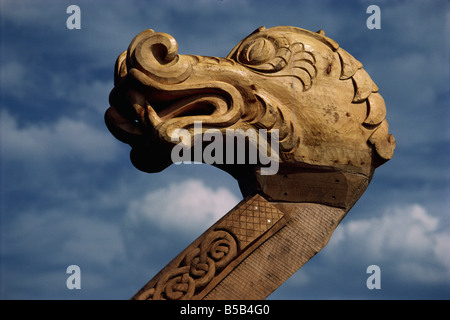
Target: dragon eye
257	51
270	53
264	53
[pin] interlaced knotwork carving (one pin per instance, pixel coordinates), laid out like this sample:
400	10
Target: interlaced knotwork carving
206	259
197	269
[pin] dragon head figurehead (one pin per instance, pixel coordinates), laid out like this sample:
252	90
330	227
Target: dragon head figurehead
322	105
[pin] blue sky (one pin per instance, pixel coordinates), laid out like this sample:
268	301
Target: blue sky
69	194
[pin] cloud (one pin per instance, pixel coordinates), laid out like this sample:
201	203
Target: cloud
409	244
38	246
89	97
184	207
74	237
12	78
65	138
408	240
77	92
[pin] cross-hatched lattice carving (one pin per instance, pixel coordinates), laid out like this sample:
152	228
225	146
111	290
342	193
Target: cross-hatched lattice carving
251	219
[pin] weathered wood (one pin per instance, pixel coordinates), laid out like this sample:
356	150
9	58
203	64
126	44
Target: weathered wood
295	97
307	231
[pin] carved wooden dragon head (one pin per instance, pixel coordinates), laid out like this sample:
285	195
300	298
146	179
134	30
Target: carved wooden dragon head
323	105
298	86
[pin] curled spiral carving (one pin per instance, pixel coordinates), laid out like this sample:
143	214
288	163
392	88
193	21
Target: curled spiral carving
222	248
175	285
156	55
181	286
